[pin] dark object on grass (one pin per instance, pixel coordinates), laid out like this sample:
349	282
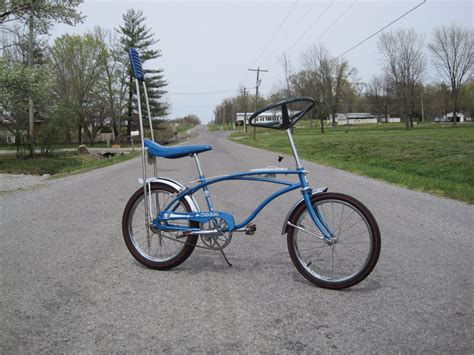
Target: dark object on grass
108	154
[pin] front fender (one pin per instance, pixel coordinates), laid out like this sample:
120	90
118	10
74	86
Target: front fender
175	185
292	209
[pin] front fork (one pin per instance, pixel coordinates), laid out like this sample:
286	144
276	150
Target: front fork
316	217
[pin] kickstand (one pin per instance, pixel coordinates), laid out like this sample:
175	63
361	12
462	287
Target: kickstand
225	257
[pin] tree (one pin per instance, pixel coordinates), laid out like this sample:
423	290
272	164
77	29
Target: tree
402	52
79	65
466	101
17	82
48	11
285	62
326	78
134	33
114	82
379	95
452	49
38	16
436	100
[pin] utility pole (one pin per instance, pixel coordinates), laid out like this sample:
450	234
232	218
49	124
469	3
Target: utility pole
258	70
245	110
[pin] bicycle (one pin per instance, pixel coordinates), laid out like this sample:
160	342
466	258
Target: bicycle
333	239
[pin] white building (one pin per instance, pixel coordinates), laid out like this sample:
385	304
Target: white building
449	117
265	118
355	118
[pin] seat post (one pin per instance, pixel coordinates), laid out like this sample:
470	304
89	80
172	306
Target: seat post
198	165
293	148
202	178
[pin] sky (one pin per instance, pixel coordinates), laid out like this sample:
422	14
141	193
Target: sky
208	46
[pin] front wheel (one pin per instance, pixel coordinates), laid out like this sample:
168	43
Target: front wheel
349	257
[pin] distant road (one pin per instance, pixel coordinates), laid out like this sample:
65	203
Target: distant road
68	283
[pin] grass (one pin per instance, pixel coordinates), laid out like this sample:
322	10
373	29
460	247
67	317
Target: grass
431	158
218	127
60	163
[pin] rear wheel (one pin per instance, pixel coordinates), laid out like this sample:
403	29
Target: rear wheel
161	250
355	248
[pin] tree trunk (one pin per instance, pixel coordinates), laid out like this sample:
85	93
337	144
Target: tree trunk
322	125
116	133
31	133
79	134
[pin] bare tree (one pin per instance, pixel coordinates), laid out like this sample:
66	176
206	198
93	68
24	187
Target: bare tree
452	49
285	62
379	94
114	79
402	51
328	79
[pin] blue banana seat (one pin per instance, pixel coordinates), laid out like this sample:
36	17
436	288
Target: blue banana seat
174	152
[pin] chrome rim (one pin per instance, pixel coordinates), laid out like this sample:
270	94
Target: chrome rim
347	256
157	247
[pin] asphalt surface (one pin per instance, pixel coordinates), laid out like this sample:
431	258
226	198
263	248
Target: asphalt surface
68	283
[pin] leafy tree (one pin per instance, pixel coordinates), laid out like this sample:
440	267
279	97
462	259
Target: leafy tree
17	82
134	33
79	65
38	16
452	49
48	11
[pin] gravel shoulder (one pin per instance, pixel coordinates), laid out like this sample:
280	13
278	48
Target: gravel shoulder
12	182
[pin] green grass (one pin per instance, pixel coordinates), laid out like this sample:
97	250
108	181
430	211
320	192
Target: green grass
432	158
60	163
182	128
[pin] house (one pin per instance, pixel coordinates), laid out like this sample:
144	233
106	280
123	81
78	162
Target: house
448	117
355	118
271	117
7	128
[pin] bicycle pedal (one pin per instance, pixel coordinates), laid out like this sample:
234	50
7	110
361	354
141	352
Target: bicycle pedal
250	229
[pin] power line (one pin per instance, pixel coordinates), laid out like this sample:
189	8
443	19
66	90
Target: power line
273	37
383	28
277	30
337	20
310	26
308	11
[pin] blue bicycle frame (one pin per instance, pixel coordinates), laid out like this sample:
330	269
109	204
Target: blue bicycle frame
168	212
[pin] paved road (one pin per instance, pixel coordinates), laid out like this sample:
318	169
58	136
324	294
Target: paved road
68	284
